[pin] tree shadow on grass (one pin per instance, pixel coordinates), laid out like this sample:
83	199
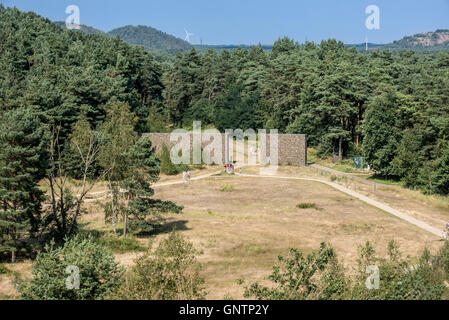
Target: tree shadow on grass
168	227
165	228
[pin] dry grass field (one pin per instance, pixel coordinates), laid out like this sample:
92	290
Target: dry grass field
241	232
241	224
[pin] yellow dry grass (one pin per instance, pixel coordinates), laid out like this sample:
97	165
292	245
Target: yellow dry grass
241	232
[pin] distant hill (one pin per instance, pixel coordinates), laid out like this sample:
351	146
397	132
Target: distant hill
150	38
438	40
161	42
86	29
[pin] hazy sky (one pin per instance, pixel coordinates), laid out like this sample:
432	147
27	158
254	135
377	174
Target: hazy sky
253	22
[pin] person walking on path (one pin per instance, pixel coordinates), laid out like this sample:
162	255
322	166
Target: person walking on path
446	231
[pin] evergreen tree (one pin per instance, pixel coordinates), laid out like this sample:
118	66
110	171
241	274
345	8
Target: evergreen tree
23	161
142	213
381	133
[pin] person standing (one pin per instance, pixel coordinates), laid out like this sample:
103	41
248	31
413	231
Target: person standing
189	175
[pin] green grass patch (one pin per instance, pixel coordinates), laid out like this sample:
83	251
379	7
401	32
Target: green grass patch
227	188
383	180
115	243
121	245
4	270
307	206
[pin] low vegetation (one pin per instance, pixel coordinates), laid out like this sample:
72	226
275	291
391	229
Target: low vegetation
227	188
320	276
307	206
79	270
168	272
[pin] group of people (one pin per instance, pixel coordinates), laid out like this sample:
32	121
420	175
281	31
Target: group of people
229	168
186	175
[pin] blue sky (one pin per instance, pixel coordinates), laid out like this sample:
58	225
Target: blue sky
253	22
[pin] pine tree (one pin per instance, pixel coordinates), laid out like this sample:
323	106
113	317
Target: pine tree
381	133
23	161
140	211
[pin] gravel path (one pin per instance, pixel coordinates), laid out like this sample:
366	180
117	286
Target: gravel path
374	203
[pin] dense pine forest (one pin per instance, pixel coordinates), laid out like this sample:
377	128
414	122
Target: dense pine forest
392	108
74	106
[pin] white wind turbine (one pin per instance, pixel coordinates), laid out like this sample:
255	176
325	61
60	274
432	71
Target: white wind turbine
188	35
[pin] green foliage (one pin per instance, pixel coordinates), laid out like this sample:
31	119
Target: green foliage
167	166
155	122
143	168
381	133
440	177
23	160
150	38
4	270
227	188
174	270
63	73
99	274
120	245
399	279
317	276
320	276
307	206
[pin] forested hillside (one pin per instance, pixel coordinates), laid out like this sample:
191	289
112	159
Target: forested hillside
150	38
61	74
428	41
83	28
392	108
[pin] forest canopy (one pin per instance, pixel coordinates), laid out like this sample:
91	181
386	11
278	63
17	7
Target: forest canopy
390	107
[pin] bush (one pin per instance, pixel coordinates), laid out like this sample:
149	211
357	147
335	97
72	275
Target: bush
297	277
307	206
99	274
227	188
319	276
169	272
398	278
167	166
3	269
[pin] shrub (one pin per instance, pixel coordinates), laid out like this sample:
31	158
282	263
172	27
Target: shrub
227	188
320	276
167	166
333	178
99	274
3	269
169	272
297	277
307	206
398	278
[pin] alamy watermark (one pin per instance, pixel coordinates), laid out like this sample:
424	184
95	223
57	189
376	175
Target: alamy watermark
245	147
72	282
373	20
373	280
73	20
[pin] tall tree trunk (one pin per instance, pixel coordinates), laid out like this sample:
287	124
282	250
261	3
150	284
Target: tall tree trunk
125	222
340	149
340	141
13	256
357	126
114	214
